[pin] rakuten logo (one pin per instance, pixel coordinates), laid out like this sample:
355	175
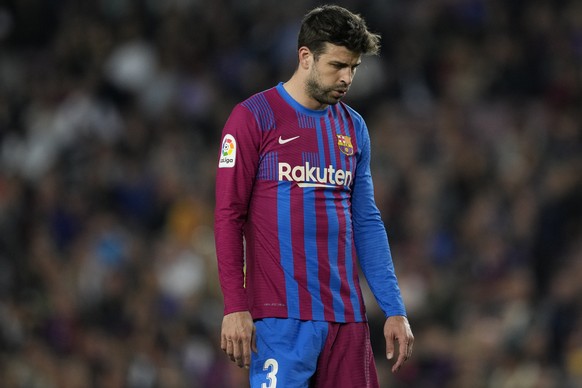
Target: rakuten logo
308	176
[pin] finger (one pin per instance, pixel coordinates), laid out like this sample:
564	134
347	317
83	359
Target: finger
223	343
230	349
402	355
389	348
403	350
399	362
246	354
238	353
254	341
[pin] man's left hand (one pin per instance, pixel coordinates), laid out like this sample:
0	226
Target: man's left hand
397	329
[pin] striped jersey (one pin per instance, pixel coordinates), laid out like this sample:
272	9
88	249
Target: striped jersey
295	213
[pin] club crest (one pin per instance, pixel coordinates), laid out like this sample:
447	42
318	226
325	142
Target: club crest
345	144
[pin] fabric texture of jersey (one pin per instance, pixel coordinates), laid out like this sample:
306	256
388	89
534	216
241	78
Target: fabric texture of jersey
295	203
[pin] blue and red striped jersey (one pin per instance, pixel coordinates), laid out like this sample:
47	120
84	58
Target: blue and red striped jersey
295	203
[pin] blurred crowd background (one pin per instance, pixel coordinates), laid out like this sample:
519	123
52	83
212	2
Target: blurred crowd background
110	121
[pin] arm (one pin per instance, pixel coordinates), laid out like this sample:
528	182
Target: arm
370	236
237	165
375	257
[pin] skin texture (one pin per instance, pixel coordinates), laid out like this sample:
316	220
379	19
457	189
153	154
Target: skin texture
322	81
397	330
317	83
238	338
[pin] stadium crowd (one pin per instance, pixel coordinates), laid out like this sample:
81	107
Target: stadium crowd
110	117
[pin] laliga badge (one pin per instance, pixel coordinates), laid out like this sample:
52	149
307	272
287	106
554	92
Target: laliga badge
227	152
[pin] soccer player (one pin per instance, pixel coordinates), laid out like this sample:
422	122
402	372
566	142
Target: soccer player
295	203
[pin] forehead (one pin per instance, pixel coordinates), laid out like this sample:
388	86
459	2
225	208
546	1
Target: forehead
333	52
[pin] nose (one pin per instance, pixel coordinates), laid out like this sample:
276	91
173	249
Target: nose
347	76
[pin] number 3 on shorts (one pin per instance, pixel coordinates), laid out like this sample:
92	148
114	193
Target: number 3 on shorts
273	366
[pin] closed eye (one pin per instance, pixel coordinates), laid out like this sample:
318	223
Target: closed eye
341	65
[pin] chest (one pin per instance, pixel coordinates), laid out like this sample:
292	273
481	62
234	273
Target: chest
311	151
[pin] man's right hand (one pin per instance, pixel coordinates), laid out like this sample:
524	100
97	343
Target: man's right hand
238	337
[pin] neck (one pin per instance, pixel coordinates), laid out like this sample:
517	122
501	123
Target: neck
296	89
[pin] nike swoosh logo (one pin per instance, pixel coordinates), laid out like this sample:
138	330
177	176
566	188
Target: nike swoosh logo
283	141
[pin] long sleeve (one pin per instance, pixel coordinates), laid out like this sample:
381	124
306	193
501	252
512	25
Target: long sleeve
237	166
370	236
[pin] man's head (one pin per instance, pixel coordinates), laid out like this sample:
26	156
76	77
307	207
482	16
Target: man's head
331	42
338	26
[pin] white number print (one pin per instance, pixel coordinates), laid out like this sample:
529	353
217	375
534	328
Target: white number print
273	366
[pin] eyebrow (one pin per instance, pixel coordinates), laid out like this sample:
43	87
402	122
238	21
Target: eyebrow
344	64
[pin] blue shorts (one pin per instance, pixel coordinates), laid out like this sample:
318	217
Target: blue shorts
295	353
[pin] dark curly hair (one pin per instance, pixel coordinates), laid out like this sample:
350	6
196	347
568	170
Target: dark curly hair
336	25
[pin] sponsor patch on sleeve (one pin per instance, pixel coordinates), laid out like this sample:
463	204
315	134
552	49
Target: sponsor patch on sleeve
227	152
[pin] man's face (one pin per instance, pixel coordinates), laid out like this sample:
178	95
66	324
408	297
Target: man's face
331	74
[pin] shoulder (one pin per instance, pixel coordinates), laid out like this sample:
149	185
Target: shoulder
358	129
259	99
354	115
260	105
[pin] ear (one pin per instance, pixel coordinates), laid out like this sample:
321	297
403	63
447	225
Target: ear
305	58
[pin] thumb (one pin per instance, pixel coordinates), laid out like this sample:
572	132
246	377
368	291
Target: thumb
389	348
254	341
